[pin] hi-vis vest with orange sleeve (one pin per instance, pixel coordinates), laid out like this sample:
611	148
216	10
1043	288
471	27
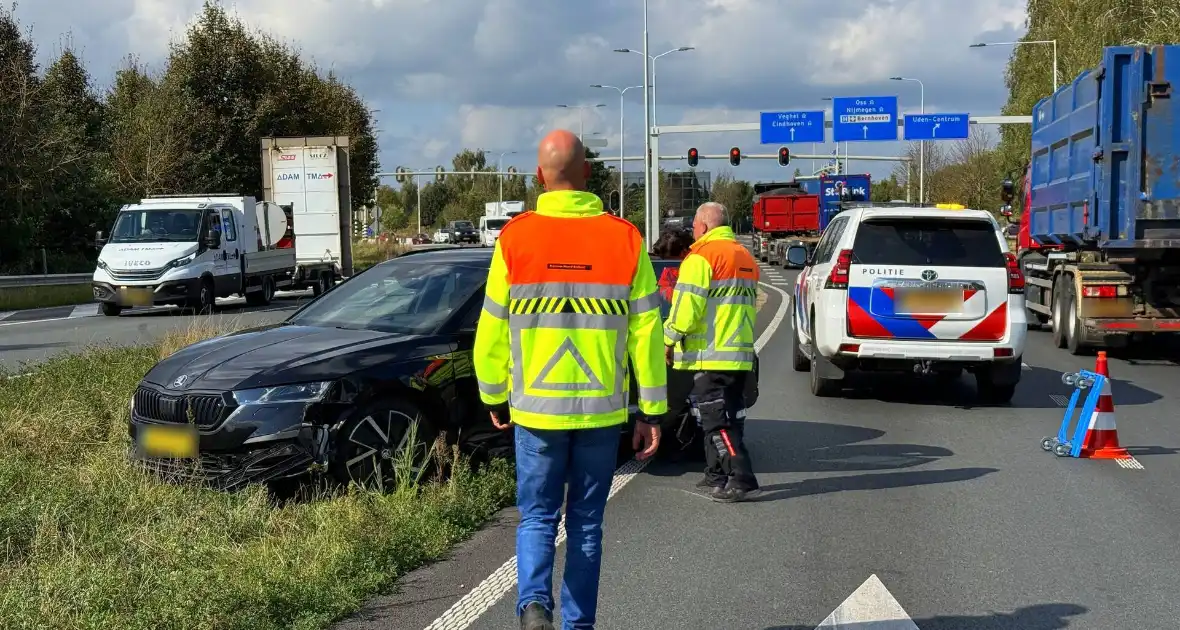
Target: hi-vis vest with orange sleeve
570	295
711	325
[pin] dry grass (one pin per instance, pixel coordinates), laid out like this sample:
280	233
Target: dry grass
91	541
367	253
19	298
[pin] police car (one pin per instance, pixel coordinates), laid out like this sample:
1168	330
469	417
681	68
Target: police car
919	290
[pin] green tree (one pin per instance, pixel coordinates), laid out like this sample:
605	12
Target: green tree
22	160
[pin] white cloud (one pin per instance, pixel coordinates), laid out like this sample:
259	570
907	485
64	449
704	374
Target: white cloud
489	73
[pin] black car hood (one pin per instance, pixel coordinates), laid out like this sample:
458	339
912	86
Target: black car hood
282	354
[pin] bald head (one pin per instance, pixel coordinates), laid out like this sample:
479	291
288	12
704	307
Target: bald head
561	162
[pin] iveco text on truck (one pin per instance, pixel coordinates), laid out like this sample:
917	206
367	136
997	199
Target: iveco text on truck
1100	224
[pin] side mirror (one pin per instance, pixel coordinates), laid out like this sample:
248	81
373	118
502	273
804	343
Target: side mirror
100	240
213	239
1007	191
797	256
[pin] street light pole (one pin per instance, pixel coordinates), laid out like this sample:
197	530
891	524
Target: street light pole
921	143
500	170
650	168
621	91
1051	42
580	108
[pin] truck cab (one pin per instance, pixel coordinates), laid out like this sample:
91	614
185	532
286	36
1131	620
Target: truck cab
188	251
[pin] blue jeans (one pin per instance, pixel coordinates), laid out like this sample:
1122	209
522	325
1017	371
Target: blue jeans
545	462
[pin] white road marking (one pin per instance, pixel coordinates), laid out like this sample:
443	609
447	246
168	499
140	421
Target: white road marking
84	310
6	314
1059	400
1025	367
1131	464
870	606
480	599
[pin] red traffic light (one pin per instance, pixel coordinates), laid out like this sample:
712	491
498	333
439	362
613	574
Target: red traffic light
693	157
735	156
784	156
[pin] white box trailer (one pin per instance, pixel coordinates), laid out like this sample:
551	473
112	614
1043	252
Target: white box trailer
190	250
309	178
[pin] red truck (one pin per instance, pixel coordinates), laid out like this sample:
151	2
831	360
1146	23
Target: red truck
783	210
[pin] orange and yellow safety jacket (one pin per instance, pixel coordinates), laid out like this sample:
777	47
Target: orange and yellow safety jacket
711	325
571	294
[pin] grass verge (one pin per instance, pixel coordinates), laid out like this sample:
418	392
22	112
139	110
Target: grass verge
20	298
366	253
90	541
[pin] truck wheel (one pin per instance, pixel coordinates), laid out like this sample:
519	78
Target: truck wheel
110	309
1074	334
323	282
1058	308
205	300
263	296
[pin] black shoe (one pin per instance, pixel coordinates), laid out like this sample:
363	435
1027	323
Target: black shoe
535	617
729	495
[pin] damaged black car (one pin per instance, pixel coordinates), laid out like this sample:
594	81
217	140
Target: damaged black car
373	373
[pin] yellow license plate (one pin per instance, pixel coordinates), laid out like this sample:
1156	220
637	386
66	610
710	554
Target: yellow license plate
173	442
136	296
930	302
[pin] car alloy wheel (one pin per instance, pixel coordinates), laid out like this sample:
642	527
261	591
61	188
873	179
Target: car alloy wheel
383	446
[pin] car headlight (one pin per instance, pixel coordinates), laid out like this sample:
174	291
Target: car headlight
298	393
102	264
180	262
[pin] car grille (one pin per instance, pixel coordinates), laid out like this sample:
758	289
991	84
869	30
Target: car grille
130	275
207	410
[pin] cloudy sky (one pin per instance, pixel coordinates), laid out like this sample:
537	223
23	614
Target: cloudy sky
447	74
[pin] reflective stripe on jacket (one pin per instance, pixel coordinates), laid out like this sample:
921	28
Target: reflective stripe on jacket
711	325
570	295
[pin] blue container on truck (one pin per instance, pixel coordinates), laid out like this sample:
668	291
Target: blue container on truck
856	187
1104	196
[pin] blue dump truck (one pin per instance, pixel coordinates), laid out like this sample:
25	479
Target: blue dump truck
1100	221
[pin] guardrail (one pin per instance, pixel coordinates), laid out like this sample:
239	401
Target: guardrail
41	281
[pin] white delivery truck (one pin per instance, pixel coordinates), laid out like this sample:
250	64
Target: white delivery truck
190	250
309	177
496	215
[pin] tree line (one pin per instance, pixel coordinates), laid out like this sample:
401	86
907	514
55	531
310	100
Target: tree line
71	152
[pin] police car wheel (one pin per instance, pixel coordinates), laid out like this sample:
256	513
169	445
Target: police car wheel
799	361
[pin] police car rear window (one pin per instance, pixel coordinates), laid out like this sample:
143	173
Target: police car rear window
944	242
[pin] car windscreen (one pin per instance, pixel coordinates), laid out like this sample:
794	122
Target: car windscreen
496	224
941	242
133	226
409	296
463	225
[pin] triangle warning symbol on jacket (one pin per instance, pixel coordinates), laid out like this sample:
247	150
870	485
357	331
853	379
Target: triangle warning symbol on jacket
591	382
744	331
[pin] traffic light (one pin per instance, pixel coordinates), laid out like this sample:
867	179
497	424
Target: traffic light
693	157
784	156
735	156
614	200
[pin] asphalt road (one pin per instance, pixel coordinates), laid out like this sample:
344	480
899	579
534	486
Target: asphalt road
29	337
910	496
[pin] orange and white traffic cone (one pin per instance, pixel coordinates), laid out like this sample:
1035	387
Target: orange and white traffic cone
1102	436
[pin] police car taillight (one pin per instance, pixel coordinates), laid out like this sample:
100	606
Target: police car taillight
1015	274
838	278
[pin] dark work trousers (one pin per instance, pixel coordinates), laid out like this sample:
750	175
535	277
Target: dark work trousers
718	401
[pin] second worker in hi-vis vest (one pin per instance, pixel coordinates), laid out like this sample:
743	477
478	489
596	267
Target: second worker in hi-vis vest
710	331
571	295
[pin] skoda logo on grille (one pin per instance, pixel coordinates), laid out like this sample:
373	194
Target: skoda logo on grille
929	275
179	382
